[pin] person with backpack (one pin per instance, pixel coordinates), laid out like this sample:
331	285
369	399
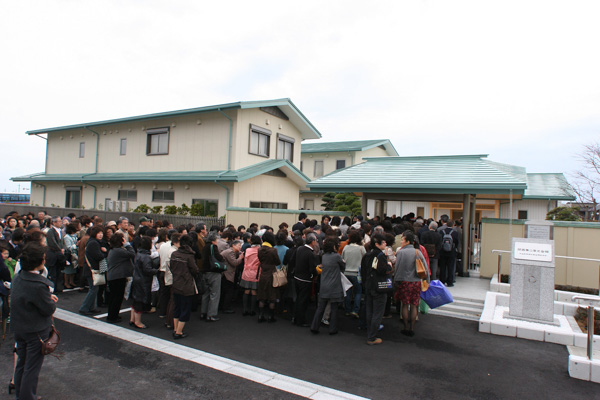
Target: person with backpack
447	261
432	241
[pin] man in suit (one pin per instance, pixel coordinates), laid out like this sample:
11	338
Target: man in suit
55	259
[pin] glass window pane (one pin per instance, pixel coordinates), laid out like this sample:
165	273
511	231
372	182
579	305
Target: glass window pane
81	149
153	144
163	141
318	168
169	196
280	149
263	145
123	149
253	142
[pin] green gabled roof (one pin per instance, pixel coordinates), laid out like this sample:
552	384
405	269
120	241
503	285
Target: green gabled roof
239	175
548	186
355	145
431	174
289	109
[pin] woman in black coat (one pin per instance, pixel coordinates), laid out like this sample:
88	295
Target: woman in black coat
32	306
184	269
120	267
141	285
269	260
95	252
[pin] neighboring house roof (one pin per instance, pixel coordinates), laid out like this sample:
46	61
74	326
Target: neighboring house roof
354	145
548	186
285	105
239	175
431	174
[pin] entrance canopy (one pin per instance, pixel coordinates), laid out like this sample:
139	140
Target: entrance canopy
433	175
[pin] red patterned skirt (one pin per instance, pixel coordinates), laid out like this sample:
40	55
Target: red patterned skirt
409	292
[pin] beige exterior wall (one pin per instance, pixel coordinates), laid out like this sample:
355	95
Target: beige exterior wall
536	209
272	219
570	239
265	188
196	143
241	157
184	193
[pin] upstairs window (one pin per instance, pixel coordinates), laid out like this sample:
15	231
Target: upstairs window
158	141
81	149
123	148
268	204
318	169
260	139
339	164
285	148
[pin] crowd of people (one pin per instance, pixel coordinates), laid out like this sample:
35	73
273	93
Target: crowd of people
364	267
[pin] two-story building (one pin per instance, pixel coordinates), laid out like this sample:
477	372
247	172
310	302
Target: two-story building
320	159
243	154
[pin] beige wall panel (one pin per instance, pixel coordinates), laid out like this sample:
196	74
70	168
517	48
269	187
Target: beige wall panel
257	117
571	241
536	209
265	188
63	152
496	237
36	195
316	199
374	152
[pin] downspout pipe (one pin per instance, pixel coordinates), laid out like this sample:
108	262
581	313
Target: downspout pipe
44	192
230	137
97	144
226	194
95	190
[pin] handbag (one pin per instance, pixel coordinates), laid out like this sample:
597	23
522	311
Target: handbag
346	284
437	295
98	278
49	345
280	277
421	270
216	265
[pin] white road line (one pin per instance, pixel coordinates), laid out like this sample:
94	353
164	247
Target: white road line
232	367
106	314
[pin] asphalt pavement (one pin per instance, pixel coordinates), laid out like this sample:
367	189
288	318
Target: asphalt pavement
446	359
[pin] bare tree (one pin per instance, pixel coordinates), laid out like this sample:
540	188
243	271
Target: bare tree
586	182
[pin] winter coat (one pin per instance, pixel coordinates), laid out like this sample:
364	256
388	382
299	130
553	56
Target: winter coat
184	269
143	272
269	260
120	263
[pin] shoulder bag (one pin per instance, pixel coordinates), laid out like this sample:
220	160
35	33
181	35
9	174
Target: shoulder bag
280	277
49	345
421	270
216	265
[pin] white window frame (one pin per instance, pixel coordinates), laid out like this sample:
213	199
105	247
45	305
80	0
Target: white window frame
162	135
284	142
257	134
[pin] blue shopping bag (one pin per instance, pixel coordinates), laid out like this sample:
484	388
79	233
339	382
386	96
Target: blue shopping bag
437	295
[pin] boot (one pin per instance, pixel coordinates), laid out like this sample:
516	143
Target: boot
245	300
272	315
252	305
261	315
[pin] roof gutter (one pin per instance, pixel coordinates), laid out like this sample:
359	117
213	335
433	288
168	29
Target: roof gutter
230	137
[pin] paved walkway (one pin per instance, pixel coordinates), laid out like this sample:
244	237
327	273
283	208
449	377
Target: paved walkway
447	359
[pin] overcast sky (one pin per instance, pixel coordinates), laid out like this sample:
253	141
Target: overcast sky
518	80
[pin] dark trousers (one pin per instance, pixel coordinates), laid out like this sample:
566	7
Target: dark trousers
227	294
29	363
374	308
56	276
316	322
101	296
303	290
447	265
165	295
116	289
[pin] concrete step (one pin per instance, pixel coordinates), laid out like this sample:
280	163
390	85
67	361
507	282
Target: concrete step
445	313
461	309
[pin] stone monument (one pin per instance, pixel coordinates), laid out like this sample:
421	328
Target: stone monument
532	279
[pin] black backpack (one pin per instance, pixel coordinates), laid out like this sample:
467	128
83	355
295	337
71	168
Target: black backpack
447	241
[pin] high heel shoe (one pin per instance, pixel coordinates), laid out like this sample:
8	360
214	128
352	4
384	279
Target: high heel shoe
11	387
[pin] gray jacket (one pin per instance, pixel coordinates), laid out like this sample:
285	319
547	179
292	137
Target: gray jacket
406	264
331	281
31	307
120	263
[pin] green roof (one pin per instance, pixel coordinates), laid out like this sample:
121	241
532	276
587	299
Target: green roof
289	109
548	186
355	145
239	175
458	174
